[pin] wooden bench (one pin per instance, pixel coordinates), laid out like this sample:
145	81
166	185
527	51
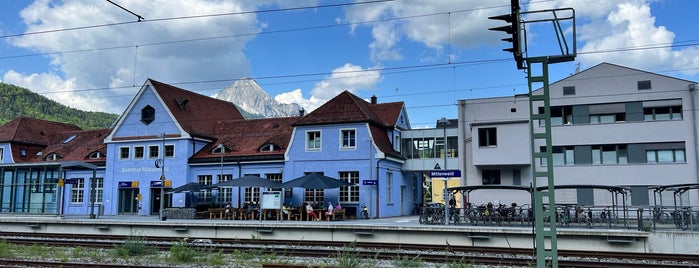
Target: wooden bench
338	212
216	213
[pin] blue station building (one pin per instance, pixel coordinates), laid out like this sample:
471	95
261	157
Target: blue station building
169	137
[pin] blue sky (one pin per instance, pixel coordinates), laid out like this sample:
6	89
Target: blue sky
428	54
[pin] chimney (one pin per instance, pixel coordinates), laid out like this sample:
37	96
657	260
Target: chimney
373	99
301	112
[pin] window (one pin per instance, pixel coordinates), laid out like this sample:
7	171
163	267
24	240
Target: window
666	156
269	148
52	157
77	192
568	91
389	187
609	154
662	113
349	139
251	194
487	137
153	151
96	155
562	155
560	115
147	115
313	140
644	85
169	150
2	155
138	152
225	194
69	139
99	190
314	195
204	195
491	177
123	153
349	193
277	177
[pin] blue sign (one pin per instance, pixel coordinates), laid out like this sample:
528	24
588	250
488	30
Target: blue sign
71	181
370	182
125	184
154	184
448	173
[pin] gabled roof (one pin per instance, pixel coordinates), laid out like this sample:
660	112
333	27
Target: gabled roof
33	131
244	138
76	146
344	108
383	143
388	113
197	114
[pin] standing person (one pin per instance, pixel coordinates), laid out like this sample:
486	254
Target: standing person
329	213
309	210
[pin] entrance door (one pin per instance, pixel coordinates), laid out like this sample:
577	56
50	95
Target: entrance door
128	203
155	200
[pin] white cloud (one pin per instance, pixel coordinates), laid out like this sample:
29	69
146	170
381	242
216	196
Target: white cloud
347	77
134	60
456	23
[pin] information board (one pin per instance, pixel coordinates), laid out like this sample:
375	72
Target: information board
271	200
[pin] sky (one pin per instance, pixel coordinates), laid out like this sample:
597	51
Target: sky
94	55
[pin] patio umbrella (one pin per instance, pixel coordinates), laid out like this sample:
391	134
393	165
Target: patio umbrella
248	181
315	181
188	188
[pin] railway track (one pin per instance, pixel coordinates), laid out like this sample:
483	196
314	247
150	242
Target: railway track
375	251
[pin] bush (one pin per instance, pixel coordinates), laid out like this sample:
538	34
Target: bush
134	246
182	253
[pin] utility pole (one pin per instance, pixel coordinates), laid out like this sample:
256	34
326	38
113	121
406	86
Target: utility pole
540	122
162	180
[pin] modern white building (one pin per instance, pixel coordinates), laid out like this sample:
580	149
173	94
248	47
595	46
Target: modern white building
610	125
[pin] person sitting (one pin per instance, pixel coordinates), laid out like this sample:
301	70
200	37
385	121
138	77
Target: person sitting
338	207
329	213
309	210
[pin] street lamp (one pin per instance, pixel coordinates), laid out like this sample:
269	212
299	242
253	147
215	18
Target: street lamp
221	149
444	123
162	179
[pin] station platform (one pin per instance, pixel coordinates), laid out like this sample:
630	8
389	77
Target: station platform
405	229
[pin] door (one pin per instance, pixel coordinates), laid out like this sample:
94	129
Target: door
128	203
155	200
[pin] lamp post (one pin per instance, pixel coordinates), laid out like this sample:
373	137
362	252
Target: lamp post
221	149
162	179
444	123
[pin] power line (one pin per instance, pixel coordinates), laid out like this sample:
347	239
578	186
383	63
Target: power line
196	16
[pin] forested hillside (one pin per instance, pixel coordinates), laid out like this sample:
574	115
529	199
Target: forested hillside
16	101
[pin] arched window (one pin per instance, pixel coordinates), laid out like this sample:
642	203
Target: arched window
270	147
52	157
96	155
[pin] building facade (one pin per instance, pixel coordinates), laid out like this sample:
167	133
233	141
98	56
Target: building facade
168	137
610	125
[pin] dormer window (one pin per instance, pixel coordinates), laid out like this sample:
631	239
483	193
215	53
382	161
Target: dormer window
96	155
52	157
269	147
147	114
220	149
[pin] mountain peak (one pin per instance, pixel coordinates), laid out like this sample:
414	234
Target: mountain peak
249	96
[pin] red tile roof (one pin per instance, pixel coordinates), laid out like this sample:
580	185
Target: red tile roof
197	114
27	136
348	108
244	138
77	148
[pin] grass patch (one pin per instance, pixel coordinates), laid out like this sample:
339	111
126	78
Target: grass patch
134	246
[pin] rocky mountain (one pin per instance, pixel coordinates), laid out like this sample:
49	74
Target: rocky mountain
250	97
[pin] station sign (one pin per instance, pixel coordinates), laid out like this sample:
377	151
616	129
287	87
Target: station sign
370	182
128	184
447	173
71	181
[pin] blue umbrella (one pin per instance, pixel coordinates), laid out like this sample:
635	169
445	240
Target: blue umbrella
315	181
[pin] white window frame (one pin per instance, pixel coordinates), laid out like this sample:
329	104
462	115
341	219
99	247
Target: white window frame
308	140
389	187
77	192
143	156
120	154
158	152
353	141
